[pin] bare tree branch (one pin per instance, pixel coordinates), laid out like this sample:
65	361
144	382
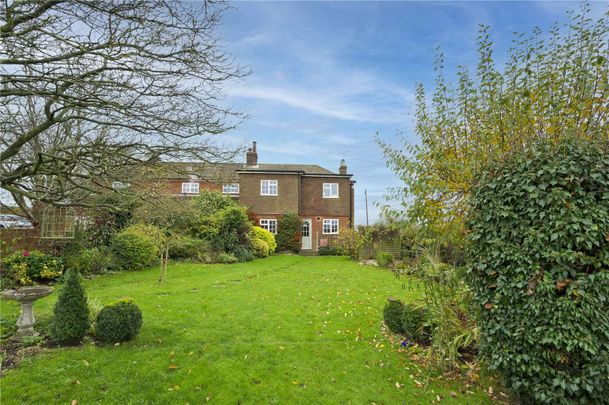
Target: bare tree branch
92	91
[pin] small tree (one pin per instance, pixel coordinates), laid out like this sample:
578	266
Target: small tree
71	313
289	233
553	86
172	218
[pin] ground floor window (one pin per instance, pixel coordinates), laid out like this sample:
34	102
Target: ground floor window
330	226
269	224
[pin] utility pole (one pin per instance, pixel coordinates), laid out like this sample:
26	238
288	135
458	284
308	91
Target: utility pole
366	196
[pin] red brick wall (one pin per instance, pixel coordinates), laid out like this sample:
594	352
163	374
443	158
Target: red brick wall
317	229
286	201
19	239
313	202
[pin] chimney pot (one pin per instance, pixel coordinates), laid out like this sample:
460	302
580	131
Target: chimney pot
343	167
251	157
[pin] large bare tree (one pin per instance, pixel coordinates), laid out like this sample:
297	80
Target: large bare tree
90	89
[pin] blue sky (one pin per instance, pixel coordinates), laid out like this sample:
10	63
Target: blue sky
328	76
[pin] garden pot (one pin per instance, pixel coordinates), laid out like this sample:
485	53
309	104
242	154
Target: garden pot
26	297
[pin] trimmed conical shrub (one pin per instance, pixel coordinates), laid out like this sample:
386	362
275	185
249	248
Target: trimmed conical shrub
71	313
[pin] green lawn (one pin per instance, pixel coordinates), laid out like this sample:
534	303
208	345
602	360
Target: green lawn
287	329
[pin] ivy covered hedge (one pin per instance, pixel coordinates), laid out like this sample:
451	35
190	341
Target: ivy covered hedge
539	245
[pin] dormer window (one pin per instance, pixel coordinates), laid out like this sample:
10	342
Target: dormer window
231	189
330	190
268	187
190	188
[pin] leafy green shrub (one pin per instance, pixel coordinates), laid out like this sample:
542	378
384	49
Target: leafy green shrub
118	322
349	243
540	271
133	249
243	254
328	251
392	315
259	247
189	248
208	202
268	237
289	233
183	248
30	267
415	323
384	259
91	261
227	258
230	230
71	313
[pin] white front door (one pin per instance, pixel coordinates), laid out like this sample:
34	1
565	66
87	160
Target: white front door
306	234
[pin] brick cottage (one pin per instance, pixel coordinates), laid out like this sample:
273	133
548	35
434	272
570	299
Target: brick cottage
323	199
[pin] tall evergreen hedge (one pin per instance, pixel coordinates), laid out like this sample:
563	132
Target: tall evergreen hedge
71	313
539	249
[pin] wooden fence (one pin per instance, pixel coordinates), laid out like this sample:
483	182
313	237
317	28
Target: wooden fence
392	246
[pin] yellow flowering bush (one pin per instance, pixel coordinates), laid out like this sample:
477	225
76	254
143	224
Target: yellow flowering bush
30	267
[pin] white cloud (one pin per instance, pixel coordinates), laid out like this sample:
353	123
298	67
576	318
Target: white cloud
319	102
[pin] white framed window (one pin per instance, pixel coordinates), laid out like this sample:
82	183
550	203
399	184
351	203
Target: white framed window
190	188
330	226
330	190
232	188
269	224
268	187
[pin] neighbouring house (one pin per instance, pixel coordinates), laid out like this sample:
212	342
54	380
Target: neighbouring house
323	199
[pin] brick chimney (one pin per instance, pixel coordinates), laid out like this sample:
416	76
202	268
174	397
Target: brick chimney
251	157
343	167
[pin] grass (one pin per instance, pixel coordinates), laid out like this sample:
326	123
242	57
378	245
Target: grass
287	329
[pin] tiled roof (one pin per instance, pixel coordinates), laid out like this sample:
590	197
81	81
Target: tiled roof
307	169
214	172
222	172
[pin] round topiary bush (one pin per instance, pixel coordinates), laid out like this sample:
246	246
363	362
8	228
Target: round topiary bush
71	312
392	315
118	322
539	252
133	250
259	248
268	237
